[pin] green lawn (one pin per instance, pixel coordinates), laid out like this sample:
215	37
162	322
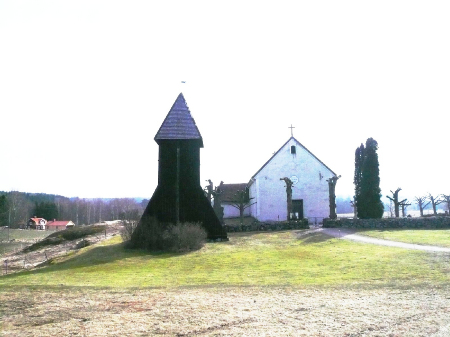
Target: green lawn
250	259
432	237
23	234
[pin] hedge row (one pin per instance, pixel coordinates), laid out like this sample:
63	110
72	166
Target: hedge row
266	226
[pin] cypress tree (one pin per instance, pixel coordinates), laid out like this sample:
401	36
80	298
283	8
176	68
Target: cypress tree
369	205
359	159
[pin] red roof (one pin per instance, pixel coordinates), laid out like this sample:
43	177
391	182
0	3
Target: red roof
58	223
229	191
36	220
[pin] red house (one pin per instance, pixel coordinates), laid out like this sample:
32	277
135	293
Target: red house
36	223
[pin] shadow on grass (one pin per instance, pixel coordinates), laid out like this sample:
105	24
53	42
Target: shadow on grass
313	237
99	255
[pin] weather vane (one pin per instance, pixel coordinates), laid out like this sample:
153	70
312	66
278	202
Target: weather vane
292	131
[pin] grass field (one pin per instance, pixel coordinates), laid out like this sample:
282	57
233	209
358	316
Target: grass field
250	259
292	283
16	239
432	237
22	234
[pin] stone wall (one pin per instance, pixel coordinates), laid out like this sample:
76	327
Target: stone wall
428	222
269	226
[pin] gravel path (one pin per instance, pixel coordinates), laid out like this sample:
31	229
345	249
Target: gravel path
348	234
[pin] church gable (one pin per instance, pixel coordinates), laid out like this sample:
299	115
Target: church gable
291	156
309	191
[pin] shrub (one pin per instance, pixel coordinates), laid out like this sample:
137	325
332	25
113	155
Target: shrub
65	235
83	243
128	229
184	237
152	235
78	232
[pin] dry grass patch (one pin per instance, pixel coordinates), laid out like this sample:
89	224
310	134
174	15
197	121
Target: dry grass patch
226	311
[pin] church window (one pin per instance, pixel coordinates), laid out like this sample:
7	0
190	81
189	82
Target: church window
293	149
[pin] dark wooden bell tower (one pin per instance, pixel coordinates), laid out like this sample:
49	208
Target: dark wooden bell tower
179	196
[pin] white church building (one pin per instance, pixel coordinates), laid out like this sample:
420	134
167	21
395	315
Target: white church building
310	191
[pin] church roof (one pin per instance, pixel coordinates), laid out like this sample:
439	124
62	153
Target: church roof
228	191
179	124
284	146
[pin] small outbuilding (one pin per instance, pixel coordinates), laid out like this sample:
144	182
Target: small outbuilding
59	225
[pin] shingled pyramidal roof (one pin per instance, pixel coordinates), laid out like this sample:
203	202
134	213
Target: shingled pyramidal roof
179	124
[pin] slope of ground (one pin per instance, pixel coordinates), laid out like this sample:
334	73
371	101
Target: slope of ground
24	259
257	284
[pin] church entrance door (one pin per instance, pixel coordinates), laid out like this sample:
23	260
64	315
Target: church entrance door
297	209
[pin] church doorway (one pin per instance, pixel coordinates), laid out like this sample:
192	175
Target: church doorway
297	209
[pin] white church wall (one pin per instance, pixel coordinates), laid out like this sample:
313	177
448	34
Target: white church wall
232	212
270	192
253	193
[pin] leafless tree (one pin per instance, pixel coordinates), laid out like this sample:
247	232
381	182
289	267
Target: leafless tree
209	189
404	204
421	202
391	209
241	201
447	201
397	203
435	201
355	211
332	195
288	186
19	208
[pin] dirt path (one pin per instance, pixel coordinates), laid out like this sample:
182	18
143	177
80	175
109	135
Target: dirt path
348	234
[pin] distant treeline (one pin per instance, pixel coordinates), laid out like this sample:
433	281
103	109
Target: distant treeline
17	207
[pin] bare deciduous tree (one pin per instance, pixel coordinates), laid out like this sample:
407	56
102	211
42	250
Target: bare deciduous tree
19	208
332	195
355	211
404	204
447	201
241	201
288	186
421	202
397	203
435	201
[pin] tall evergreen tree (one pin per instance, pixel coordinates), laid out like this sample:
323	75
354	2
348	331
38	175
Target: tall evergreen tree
368	202
3	211
359	159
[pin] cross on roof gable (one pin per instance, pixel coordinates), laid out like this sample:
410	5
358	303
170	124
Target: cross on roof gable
179	124
300	144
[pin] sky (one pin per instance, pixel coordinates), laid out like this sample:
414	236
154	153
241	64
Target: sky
85	85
